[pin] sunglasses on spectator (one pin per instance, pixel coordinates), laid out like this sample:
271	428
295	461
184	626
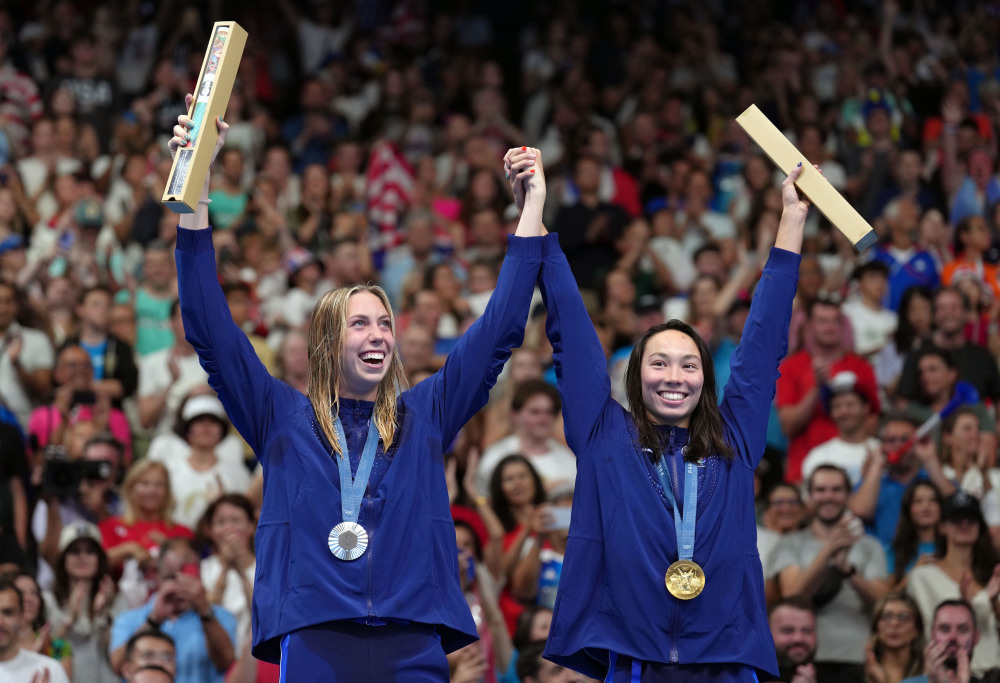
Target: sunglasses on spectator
899	617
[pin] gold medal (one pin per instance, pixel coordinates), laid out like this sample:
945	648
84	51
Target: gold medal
685	579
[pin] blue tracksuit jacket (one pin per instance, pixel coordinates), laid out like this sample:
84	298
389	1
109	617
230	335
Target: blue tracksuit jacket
612	597
410	571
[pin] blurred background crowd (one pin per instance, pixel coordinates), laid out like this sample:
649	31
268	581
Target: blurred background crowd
365	145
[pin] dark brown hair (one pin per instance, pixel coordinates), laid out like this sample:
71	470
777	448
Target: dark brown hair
914	665
237	500
497	499
530	388
984	555
706	434
61	586
906	542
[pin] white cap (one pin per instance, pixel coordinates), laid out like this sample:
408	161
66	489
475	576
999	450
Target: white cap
197	406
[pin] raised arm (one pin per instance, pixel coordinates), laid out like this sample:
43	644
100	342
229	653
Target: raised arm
586	388
461	388
234	371
750	389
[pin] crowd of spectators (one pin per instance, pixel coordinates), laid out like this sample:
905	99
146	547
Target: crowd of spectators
364	145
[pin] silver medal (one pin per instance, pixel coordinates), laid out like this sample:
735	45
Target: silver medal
348	541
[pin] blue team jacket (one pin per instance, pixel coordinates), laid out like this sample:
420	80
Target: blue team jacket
612	596
410	571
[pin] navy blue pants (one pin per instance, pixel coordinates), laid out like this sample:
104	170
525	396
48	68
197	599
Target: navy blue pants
349	652
627	670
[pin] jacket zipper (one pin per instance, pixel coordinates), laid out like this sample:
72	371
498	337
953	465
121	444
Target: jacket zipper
674	654
372	617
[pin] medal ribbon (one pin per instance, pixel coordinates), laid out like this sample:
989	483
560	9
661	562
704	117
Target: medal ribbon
683	524
352	491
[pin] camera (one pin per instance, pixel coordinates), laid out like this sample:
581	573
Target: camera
84	397
62	475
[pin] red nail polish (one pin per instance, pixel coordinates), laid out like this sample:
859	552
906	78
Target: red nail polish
532	170
524	149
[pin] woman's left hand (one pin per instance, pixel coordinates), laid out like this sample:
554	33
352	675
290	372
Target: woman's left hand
517	166
993	585
965	587
791	200
77	598
105	595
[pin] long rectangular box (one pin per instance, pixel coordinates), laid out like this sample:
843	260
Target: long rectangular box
215	85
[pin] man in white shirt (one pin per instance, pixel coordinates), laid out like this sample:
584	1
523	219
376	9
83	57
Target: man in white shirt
534	408
17	665
849	401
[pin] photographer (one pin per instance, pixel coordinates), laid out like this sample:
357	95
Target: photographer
75	491
76	399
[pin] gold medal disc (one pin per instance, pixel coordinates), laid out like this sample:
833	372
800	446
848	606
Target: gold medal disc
685	579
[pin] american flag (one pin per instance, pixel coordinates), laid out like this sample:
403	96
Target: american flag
389	188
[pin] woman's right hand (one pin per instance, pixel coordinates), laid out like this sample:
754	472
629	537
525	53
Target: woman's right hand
523	168
139	554
541	520
470	665
873	669
182	132
42	640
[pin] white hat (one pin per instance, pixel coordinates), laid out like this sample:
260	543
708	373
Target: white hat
76	531
197	406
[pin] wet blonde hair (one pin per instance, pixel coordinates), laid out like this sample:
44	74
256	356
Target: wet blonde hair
134	474
326	362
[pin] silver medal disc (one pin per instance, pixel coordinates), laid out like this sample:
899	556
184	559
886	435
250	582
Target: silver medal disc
348	541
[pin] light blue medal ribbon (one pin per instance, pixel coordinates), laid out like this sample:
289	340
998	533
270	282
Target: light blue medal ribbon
684	579
349	540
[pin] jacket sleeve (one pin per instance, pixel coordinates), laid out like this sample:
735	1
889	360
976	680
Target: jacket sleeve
461	388
252	397
580	363
754	365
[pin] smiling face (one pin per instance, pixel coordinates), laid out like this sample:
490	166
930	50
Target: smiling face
535	418
784	508
368	346
10	623
963	440
794	633
517	484
672	378
31	596
828	492
150	490
81	559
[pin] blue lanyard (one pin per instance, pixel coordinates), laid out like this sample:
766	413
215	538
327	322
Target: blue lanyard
684	524
352	491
